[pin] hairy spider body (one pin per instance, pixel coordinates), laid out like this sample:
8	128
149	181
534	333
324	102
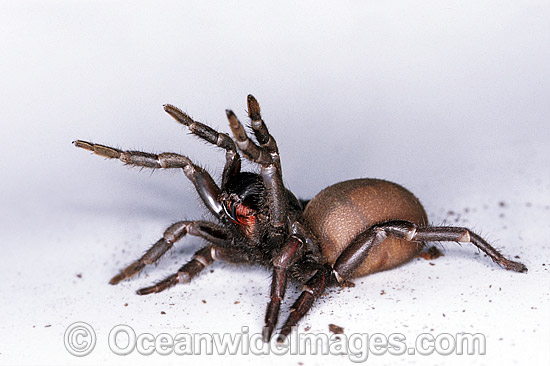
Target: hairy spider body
348	230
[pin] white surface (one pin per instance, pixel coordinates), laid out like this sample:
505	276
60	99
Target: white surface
448	98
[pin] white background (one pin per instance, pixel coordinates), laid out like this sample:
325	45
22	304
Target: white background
448	98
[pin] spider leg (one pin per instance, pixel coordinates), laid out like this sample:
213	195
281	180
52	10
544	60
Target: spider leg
261	132
203	182
201	259
282	262
357	251
175	232
267	157
312	290
233	159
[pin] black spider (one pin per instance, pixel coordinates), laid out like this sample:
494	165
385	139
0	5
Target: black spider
348	230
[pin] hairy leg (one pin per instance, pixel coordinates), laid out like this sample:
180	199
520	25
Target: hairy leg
312	290
286	258
201	259
203	182
358	250
204	229
267	156
233	159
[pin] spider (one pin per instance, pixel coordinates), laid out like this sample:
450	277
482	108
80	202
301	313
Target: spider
348	230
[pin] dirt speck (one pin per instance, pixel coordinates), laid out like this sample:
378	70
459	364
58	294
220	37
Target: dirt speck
431	253
335	329
347	284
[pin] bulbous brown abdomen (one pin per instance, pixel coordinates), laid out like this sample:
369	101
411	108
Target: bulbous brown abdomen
337	214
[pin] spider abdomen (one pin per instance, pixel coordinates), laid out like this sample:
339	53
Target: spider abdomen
339	213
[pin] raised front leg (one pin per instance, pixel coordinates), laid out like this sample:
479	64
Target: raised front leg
204	229
261	132
203	182
267	156
233	159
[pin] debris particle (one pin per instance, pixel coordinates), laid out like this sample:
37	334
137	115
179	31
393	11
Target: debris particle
502	204
307	328
431	253
163	312
204	301
432	264
335	329
47	326
347	284
79	275
237	302
383	292
126	304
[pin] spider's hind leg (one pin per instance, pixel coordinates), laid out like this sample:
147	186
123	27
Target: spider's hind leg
357	251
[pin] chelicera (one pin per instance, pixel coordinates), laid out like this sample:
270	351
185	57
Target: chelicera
348	230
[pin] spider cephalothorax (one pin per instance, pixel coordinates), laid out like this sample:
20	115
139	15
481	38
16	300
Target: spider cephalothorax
348	230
